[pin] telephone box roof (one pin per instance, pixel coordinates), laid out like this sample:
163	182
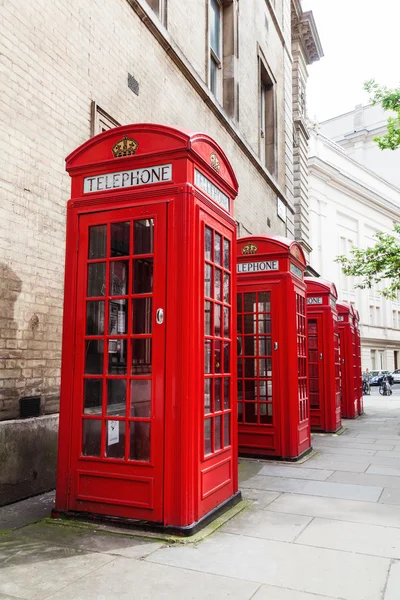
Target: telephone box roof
316	285
275	244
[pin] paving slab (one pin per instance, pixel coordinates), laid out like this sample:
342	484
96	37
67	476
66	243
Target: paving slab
390	496
260	499
359	445
25	512
320	462
349	458
383	460
342	490
269	592
315	570
268	525
335	508
388	453
393	583
263	482
125	579
346	451
384	470
352	537
365	479
296	472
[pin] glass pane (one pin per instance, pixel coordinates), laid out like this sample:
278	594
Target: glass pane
217	319
207	318
265	413
240	412
227	385
226	321
217	394
262	389
250	412
116	397
250	390
249	323
269	367
217	433
264	323
115	439
94	357
239	323
119	278
264	346
208	243
95	318
142	276
217	357
207	396
213	75
227	356
207	280
217	284
117	321
141	356
143	233
142	315
207	356
140	442
239	303
207	436
226	288
96	279
93	396
91	437
117	357
269	389
120	239
215	26
217	248
227	430
249	345
264	304
250	367
262	367
140	398
227	262
97	241
240	390
250	302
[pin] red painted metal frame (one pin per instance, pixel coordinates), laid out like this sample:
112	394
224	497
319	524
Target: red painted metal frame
321	311
288	436
357	366
188	485
349	400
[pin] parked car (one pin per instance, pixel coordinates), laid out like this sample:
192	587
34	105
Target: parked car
375	376
396	376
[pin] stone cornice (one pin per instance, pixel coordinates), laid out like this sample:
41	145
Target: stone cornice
304	31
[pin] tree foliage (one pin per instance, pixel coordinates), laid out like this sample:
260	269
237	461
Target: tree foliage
378	263
389	99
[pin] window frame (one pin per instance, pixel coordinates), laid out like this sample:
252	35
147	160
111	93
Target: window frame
267	116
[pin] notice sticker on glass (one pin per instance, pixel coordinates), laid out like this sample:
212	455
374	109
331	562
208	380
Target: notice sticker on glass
113	432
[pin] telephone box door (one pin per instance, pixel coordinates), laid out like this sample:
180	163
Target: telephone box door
316	371
118	431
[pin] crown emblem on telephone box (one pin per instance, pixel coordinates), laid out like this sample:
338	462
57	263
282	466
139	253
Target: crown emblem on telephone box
249	249
125	147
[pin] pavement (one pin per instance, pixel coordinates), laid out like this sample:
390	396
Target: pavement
322	529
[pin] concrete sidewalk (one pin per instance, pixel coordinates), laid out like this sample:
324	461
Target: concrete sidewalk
328	528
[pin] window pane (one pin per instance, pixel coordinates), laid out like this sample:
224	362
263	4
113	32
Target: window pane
96	279
207	280
215	26
240	412
120	239
91	437
141	356
213	76
264	304
250	412
207	396
116	397
239	323
227	262
207	318
117	357
227	430
226	288
117	321
250	390
250	302
119	278
217	394
217	433
217	284
227	383
249	345
97	241
95	318
217	248
140	442
217	319
265	413
115	439
143	232
227	356
207	436
94	357
249	323
142	315
207	356
140	397
208	243
239	303
217	356
226	321
92	399
264	323
142	276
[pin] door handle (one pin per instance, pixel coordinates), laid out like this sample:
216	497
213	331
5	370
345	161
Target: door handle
275	345
159	316
320	356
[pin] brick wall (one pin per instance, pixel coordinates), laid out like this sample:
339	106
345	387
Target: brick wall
55	59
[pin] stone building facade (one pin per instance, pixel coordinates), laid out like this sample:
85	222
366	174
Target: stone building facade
71	70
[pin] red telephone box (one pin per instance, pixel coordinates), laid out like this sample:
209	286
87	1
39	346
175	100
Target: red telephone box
272	363
348	358
148	425
323	355
357	363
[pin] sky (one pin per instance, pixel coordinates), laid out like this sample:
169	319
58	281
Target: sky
361	41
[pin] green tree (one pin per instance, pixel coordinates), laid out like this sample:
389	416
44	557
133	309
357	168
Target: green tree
377	263
389	99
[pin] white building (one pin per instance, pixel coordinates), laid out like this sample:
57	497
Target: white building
349	203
